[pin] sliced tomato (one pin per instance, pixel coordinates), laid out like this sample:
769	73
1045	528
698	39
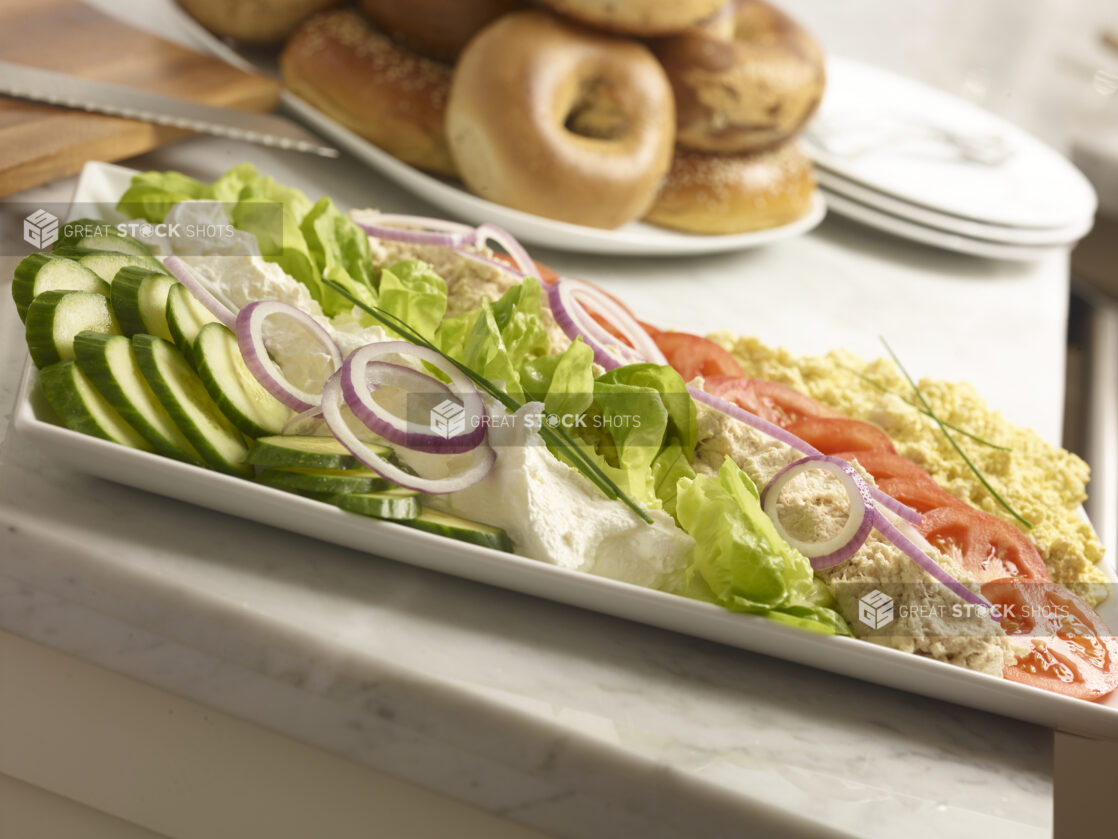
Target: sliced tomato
921	494
546	275
693	355
832	435
1072	650
885	464
989	548
771	401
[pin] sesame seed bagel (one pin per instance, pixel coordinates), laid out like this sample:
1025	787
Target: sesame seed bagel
436	28
637	17
746	79
377	88
714	193
560	121
262	22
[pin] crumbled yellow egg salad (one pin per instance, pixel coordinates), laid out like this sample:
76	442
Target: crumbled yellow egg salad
1044	483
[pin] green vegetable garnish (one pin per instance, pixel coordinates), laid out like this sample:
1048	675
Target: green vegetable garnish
951	440
553	436
883	389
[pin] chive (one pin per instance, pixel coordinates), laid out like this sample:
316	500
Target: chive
555	436
951	440
924	411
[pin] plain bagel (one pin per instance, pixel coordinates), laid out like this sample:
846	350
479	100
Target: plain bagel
373	86
717	193
254	21
556	120
749	78
436	28
637	17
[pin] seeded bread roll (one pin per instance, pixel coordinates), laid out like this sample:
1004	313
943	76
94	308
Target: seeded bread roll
637	17
561	121
254	21
436	28
715	193
744	80
377	88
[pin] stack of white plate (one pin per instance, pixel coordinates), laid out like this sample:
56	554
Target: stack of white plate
905	158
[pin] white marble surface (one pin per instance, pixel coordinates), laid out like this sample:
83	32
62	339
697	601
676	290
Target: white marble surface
575	723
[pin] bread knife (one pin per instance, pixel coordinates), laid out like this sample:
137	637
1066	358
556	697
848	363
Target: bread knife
49	87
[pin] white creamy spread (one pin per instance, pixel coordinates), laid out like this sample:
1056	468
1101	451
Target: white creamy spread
554	514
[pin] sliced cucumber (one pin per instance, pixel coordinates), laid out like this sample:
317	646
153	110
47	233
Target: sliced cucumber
324	481
106	264
41	272
238	394
185	318
55	317
92	235
306	452
82	408
464	530
139	298
398	504
183	396
111	366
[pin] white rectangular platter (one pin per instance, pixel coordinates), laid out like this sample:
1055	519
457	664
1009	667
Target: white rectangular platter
34	422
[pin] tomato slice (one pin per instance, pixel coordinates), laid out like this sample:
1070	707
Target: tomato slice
1072	650
546	275
989	548
885	464
832	435
693	355
771	401
922	495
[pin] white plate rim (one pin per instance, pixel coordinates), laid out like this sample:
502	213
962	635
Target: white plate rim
872	217
238	497
840	165
634	239
833	183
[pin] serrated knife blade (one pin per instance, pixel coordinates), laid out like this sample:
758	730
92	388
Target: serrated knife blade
52	88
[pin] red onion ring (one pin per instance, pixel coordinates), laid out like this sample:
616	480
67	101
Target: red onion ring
249	327
332	401
859	522
792	441
565	297
490	232
418	230
181	272
494	263
358	385
864	517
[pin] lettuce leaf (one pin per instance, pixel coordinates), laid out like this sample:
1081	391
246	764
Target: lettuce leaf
414	293
648	425
741	562
563	382
309	241
340	251
498	337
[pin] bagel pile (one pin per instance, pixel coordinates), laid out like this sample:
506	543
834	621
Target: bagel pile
683	113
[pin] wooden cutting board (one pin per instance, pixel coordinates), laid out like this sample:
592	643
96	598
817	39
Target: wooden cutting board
39	143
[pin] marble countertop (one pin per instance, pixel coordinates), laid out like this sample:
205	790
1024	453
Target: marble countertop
568	721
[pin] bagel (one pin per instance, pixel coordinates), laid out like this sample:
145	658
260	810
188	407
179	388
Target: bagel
749	78
637	17
381	90
436	28
262	22
713	193
556	120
